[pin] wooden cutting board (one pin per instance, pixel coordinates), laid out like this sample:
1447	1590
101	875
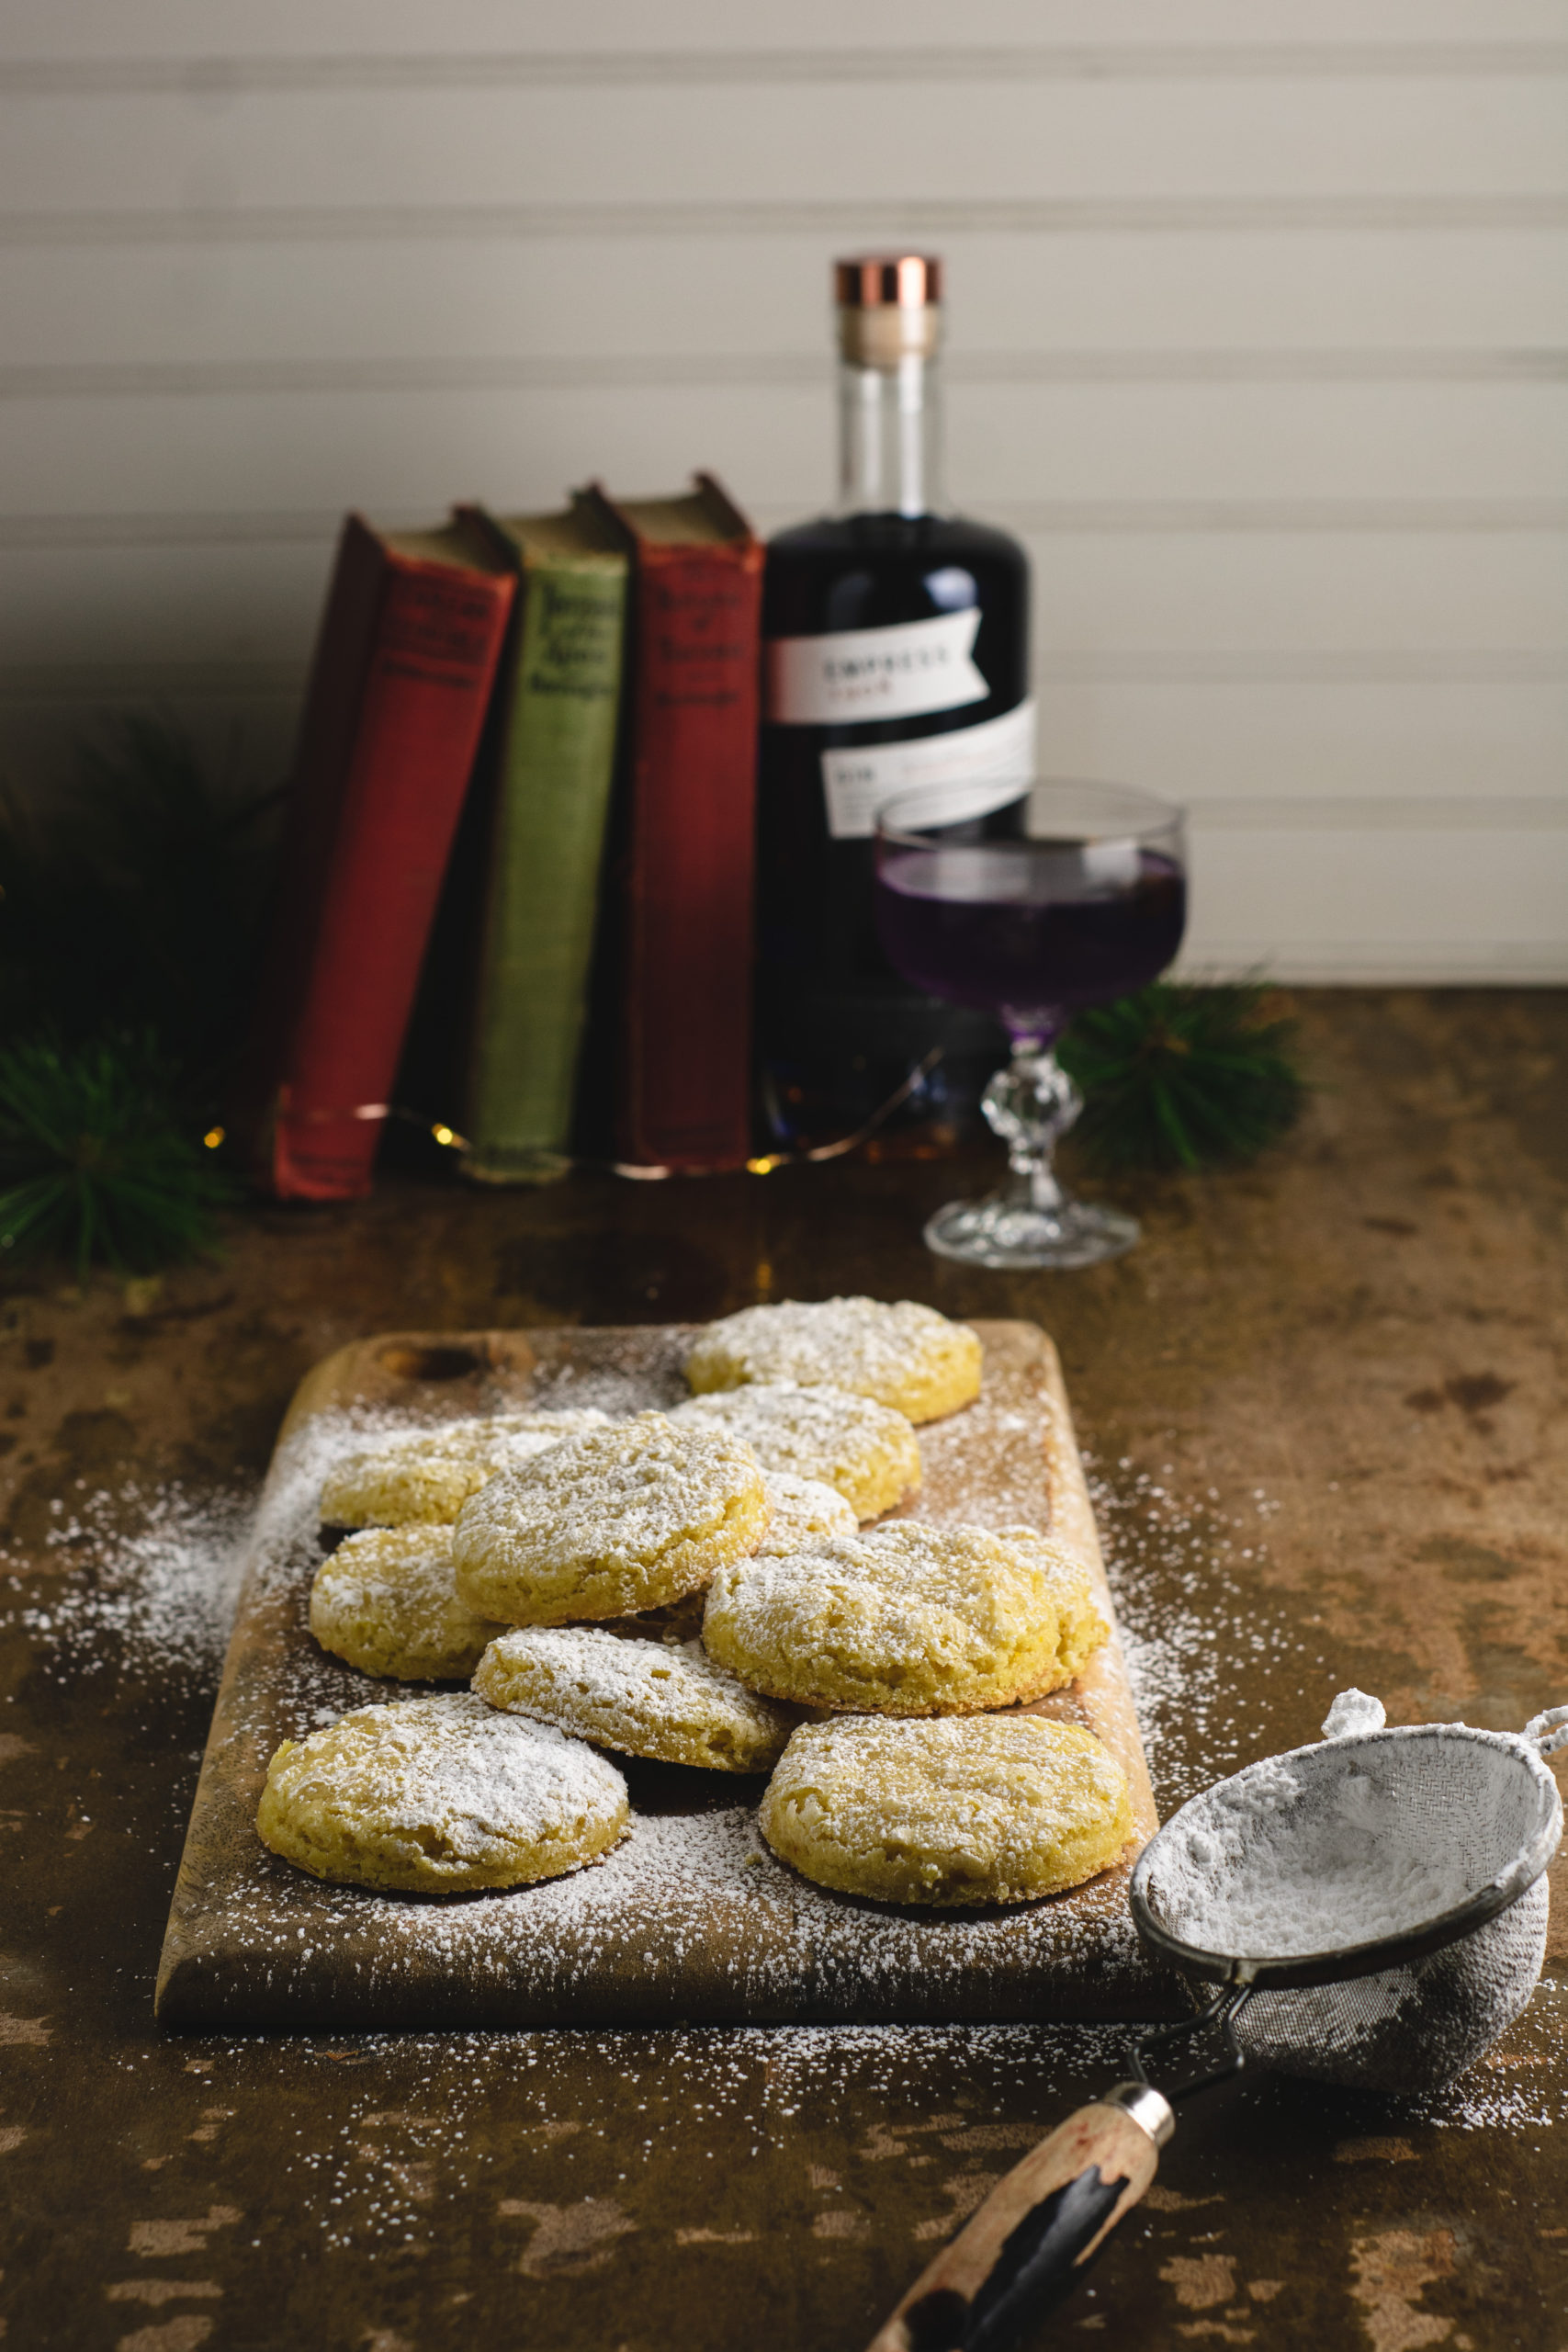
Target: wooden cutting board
691	1917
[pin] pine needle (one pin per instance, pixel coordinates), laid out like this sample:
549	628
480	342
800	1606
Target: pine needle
96	1162
1184	1076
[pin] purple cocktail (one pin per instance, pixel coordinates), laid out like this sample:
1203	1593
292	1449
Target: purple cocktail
1034	937
1030	912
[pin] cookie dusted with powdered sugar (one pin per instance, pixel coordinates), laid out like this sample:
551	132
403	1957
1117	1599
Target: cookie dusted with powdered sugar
905	1355
386	1600
904	1620
621	1519
806	1511
1080	1628
865	1452
644	1698
423	1477
439	1796
994	1809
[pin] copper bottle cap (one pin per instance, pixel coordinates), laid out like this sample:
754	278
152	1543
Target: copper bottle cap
877	281
889	309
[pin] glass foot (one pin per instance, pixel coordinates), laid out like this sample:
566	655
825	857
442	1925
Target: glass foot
1004	1231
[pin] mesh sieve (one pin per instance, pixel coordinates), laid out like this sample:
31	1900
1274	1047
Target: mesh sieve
1375	1901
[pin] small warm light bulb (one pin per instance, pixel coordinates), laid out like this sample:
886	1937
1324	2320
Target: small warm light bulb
765	1167
444	1135
213	1138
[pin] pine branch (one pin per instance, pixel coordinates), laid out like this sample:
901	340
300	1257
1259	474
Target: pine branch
1184	1076
96	1162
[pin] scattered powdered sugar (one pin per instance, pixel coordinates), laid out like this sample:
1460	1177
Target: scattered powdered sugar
401	2125
151	1577
1212	1655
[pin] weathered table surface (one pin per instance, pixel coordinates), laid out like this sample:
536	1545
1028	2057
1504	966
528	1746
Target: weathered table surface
1325	1401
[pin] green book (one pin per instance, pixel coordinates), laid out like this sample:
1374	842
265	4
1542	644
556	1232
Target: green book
552	796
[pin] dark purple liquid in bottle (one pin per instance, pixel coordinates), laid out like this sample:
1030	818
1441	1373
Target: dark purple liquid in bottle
1030	931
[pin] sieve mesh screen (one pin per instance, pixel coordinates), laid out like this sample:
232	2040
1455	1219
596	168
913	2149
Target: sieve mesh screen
1355	1842
1407	2029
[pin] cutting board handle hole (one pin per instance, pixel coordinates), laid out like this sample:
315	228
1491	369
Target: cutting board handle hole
432	1363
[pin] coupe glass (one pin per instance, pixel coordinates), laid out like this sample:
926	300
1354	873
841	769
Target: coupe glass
1070	895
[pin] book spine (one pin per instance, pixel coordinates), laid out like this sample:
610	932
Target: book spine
438	638
558	758
333	694
685	1086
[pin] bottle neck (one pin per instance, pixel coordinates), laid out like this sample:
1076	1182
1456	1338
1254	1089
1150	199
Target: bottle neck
890	438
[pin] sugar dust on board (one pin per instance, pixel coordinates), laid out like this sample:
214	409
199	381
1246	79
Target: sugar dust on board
1034	935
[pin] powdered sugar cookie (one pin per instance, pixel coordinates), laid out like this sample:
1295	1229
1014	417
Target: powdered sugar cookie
439	1796
386	1602
905	1355
425	1477
904	1620
865	1452
643	1697
1080	1628
806	1511
621	1519
994	1809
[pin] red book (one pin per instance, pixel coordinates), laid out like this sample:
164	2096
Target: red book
403	673
684	1082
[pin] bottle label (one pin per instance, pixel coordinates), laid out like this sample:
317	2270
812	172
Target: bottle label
861	674
965	773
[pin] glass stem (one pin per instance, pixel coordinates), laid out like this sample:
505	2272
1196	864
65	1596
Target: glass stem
1030	1105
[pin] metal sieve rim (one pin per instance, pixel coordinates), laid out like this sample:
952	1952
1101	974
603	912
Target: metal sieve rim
1304	1969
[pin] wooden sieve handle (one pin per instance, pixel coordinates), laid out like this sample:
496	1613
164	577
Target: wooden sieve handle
1032	2238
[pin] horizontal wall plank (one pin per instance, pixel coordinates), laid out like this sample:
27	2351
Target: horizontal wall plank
1341	741
1042	519
748	300
641	371
1403	905
217	74
872	218
1010	141
90	29
1010	443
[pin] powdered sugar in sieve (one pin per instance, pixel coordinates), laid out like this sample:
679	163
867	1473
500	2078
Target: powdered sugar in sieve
1380	1894
1368	1838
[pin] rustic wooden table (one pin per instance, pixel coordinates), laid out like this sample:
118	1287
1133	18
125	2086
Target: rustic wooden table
1325	1403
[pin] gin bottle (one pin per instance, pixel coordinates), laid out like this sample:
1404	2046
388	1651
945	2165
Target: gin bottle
896	656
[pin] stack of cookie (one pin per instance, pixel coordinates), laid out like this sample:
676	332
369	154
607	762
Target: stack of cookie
699	1587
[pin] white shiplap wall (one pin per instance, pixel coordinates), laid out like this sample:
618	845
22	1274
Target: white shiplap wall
1259	327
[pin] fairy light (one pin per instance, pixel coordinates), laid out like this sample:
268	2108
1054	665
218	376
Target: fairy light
213	1138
